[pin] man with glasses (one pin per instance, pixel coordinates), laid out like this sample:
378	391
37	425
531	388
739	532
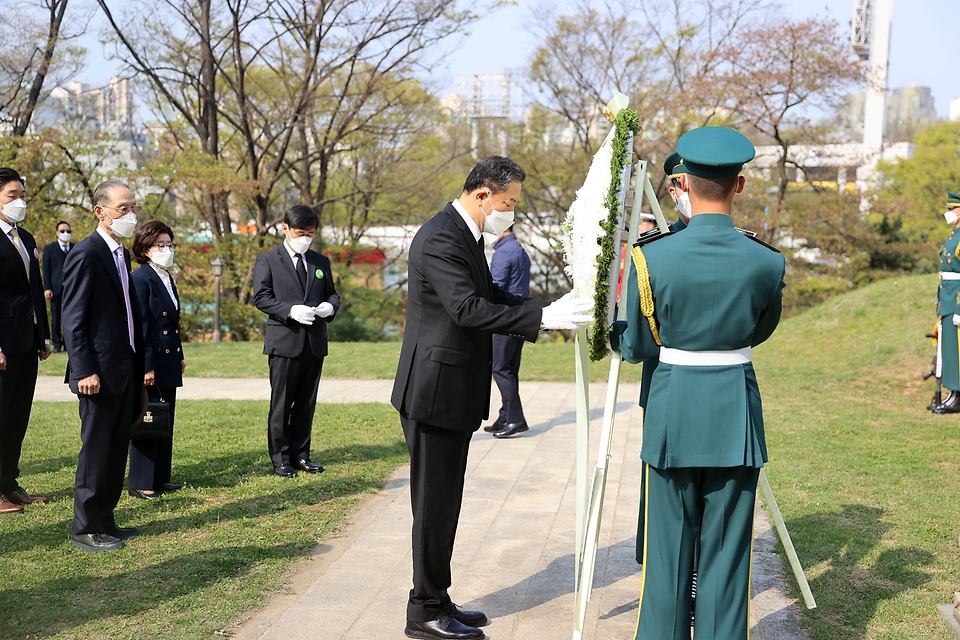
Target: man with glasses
53	256
101	320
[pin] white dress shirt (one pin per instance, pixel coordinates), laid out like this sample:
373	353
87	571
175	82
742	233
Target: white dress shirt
474	229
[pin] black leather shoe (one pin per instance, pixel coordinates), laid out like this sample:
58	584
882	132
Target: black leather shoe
285	471
96	542
511	429
124	533
170	487
139	493
469	618
496	426
305	465
950	405
446	627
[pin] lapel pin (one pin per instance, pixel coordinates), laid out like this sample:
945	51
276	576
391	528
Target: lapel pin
319	274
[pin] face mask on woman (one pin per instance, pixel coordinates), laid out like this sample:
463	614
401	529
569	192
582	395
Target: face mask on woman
162	257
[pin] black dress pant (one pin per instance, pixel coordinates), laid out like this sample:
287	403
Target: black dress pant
56	333
150	460
506	372
105	435
438	462
293	397
17	384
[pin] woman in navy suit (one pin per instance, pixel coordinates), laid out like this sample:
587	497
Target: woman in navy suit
150	460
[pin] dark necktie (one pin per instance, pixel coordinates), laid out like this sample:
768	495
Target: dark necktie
480	242
302	272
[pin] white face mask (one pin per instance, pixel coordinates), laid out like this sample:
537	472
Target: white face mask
683	205
162	257
950	215
65	236
15	211
497	222
124	225
301	244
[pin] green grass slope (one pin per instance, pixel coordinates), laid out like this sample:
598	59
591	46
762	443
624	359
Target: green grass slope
866	477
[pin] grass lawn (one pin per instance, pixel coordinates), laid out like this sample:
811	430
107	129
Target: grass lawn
208	552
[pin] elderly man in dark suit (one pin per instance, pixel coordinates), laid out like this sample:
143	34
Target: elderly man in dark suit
294	286
23	336
53	256
101	326
442	387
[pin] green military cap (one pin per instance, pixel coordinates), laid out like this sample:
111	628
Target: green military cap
673	165
953	200
715	152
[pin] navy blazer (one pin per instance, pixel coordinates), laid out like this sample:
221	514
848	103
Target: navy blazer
53	258
276	288
162	349
453	309
94	319
21	299
510	266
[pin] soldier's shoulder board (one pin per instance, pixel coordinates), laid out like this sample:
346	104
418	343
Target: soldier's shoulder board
753	236
650	236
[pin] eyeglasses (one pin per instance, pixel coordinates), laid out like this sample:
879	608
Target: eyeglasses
164	247
135	209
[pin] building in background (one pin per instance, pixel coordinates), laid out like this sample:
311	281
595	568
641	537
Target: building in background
954	110
909	109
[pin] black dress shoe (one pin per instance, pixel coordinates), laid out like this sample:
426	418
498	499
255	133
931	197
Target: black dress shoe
446	627
124	533
511	429
285	471
950	405
96	542
139	493
170	487
469	618
305	465
496	426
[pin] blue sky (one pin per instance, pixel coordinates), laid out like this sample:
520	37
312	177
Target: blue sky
922	50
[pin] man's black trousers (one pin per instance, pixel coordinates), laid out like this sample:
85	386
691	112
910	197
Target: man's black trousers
293	398
506	372
17	384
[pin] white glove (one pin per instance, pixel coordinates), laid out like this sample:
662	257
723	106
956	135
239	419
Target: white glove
323	310
956	320
567	313
302	314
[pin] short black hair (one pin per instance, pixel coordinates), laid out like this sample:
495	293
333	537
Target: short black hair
495	173
9	175
301	216
712	189
63	222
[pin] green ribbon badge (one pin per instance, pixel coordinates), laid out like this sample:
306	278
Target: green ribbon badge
319	274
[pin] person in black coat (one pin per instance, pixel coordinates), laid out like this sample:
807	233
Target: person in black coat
53	256
442	386
294	286
150	460
24	335
101	328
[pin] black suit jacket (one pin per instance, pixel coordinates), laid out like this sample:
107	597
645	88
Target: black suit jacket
21	299
453	308
276	288
162	349
53	266
95	319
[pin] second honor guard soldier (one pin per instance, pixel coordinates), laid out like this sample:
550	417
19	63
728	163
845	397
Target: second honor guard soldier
706	296
948	305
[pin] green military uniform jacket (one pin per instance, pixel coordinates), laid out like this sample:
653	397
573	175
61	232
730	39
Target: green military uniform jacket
948	295
704	416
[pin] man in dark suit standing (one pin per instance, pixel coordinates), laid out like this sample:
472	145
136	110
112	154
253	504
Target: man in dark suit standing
101	320
23	336
442	387
53	256
294	286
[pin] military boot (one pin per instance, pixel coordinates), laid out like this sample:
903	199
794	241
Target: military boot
950	405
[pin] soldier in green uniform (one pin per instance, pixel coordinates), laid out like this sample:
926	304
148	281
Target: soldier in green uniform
948	308
705	297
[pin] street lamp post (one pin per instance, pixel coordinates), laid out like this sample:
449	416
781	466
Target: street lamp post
216	267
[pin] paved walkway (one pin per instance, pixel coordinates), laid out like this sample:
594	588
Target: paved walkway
514	551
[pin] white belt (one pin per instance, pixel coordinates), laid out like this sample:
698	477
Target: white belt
949	275
704	358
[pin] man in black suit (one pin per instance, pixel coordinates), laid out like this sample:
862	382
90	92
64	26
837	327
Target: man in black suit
23	336
101	320
442	387
293	285
53	256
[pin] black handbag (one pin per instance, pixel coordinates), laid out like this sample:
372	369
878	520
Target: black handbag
155	423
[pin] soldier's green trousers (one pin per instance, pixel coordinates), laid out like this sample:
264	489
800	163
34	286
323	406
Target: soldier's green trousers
684	506
950	364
